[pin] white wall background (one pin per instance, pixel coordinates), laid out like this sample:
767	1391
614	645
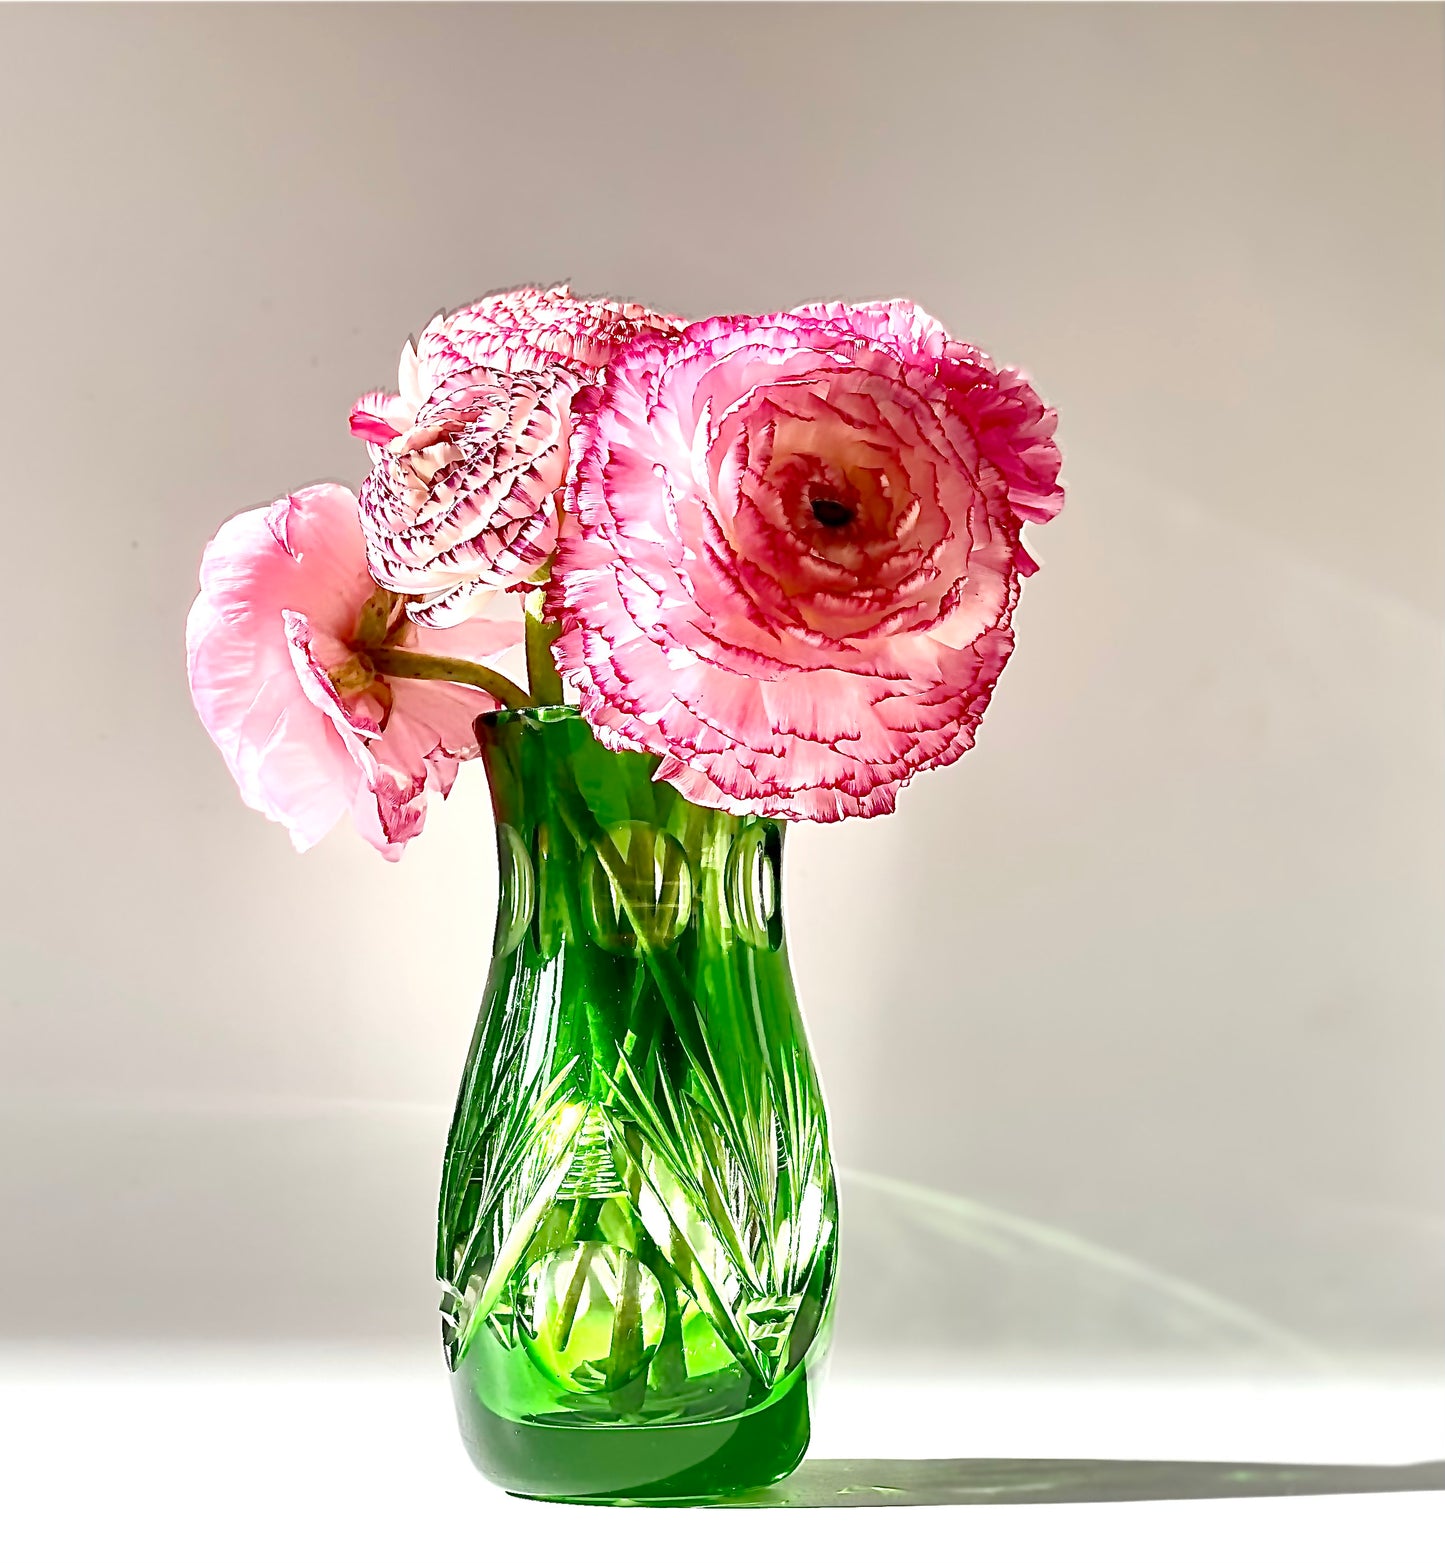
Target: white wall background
1152	977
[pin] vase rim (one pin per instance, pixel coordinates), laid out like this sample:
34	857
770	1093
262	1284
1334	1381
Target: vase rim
506	714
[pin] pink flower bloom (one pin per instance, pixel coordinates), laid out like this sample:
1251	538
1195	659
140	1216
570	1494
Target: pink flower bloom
461	501
276	652
470	451
796	553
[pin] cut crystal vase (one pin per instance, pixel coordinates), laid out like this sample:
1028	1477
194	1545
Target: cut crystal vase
638	1226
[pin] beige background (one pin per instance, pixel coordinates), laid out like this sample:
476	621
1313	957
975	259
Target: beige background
1147	991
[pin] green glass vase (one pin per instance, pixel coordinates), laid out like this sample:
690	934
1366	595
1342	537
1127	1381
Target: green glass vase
638	1227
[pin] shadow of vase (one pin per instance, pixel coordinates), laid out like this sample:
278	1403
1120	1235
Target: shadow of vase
876	1484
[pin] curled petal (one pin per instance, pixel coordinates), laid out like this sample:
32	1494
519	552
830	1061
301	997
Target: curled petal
378	418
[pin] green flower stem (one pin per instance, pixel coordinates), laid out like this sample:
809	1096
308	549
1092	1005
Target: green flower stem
676	992
392	663
542	673
567	1313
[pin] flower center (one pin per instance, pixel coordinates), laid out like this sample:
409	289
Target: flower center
832	512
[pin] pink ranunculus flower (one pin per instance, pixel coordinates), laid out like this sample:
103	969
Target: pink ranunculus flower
469	453
461	502
796	553
277	649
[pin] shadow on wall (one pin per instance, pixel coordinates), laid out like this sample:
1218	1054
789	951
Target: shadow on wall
317	1223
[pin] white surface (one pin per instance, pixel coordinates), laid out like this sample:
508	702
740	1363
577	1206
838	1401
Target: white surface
247	1459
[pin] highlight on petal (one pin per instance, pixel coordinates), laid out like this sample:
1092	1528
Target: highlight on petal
794	552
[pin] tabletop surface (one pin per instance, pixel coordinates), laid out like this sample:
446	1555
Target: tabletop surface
236	1458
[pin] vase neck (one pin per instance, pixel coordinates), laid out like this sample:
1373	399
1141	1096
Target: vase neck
592	850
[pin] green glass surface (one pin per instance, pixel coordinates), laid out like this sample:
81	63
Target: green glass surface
638	1226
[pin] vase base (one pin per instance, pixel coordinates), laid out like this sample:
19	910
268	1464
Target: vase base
670	1464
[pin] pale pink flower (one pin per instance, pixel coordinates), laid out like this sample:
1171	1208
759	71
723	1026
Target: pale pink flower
472	448
276	652
796	553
